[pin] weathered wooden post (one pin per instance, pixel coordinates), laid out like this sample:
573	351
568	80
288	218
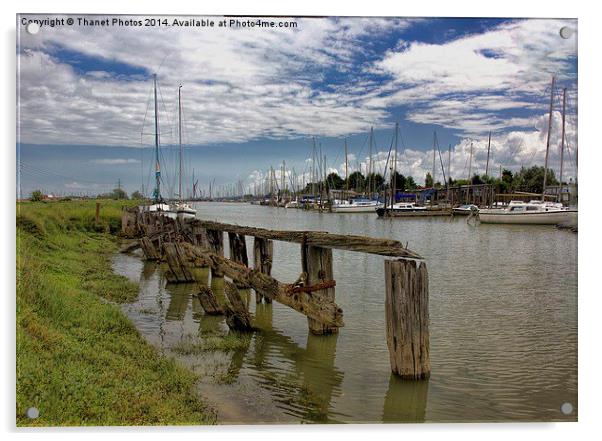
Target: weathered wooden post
179	264
149	249
237	314
263	252
97	216
317	265
216	244
238	252
407	317
209	301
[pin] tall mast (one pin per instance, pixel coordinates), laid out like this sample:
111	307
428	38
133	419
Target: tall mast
370	183
470	166
434	167
180	137
346	169
449	162
488	150
394	177
562	143
545	170
157	164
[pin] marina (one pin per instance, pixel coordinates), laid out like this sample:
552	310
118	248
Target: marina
312	220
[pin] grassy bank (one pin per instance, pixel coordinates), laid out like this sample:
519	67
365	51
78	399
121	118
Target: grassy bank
79	359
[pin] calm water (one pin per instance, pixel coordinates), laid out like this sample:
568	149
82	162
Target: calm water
503	311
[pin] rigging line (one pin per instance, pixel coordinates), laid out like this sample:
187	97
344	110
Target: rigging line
49	173
150	92
384	174
359	155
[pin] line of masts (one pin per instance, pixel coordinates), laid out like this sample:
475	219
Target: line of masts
318	171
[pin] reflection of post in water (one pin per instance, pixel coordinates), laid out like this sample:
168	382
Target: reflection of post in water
202	276
263	321
405	401
321	380
148	270
217	286
318	371
179	295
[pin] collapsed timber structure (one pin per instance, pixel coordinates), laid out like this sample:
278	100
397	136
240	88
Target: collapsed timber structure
190	245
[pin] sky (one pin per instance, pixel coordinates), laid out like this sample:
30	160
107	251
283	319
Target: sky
255	97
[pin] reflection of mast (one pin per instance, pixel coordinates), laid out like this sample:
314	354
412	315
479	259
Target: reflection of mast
545	168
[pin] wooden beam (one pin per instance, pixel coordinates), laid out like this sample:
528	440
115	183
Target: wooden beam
383	247
323	310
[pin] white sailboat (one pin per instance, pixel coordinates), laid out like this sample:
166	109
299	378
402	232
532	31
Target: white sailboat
362	205
535	212
529	213
181	208
158	204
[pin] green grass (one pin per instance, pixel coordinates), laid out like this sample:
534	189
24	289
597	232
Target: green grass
230	342
80	361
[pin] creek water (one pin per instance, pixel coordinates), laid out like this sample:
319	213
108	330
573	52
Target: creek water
503	326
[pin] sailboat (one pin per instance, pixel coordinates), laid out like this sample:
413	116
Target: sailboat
536	212
181	208
158	204
358	205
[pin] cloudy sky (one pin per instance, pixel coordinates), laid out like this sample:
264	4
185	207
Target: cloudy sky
254	97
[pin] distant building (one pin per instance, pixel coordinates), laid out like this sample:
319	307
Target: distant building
568	195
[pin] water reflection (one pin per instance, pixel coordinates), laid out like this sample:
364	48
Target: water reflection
503	344
405	401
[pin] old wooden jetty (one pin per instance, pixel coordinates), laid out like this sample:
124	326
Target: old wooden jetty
190	246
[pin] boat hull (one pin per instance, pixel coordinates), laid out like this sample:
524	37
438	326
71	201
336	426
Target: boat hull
536	218
355	209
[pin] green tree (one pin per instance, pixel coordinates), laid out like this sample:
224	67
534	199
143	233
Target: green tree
531	179
36	196
374	181
119	193
137	195
476	180
410	184
357	181
334	181
428	181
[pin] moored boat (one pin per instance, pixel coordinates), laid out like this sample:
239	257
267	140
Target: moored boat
529	213
465	210
356	206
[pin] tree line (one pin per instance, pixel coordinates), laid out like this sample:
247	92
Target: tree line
527	179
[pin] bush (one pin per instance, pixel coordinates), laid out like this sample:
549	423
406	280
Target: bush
36	196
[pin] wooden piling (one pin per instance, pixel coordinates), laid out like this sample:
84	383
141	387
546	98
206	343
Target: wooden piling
237	314
215	239
407	318
149	249
263	252
209	301
179	266
238	252
317	267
